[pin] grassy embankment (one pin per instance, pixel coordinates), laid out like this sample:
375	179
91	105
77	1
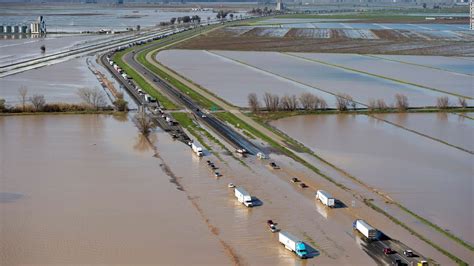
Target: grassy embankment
164	101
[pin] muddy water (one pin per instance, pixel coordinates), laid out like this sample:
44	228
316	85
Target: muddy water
86	190
244	230
67	78
410	168
454	129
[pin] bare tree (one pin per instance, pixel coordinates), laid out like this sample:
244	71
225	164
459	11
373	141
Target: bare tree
372	105
38	102
462	102
92	96
120	102
267	99
285	102
401	102
442	102
322	103
381	105
143	123
293	102
22	93
342	101
308	101
2	105
275	102
253	102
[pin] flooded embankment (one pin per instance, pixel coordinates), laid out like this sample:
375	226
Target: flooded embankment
430	178
86	190
68	76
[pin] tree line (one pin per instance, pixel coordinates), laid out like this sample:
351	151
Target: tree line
343	102
93	99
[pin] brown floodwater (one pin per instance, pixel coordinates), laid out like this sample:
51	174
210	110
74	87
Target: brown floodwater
429	177
86	190
457	130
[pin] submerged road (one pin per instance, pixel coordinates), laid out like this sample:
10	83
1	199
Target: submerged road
222	129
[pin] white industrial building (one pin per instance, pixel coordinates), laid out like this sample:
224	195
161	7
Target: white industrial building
471	15
279	6
39	26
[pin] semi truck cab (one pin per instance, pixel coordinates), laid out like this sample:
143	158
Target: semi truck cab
301	250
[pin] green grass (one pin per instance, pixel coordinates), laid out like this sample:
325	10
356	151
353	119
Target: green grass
265	117
202	101
117	58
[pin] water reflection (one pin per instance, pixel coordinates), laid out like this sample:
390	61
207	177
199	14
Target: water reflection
7	197
442	116
121	117
144	144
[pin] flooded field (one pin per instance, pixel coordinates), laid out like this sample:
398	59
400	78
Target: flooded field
455	129
427	77
224	77
454	64
24	49
409	168
74	74
321	78
78	18
347	24
92	194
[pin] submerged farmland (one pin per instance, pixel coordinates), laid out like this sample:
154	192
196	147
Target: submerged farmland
410	168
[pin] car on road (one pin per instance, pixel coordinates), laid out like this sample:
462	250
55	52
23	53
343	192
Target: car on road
217	174
388	251
273	165
303	185
272	226
295	180
397	262
409	253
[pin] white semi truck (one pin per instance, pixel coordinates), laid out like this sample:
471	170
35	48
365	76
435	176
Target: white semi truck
197	149
243	196
364	228
294	244
325	198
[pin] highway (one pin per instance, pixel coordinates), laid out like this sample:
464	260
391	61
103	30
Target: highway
222	129
58	57
375	249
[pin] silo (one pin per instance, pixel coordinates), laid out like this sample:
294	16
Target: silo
24	29
2	29
16	29
8	29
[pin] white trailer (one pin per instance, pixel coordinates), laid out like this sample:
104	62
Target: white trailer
364	228
196	149
243	196
292	243
325	198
